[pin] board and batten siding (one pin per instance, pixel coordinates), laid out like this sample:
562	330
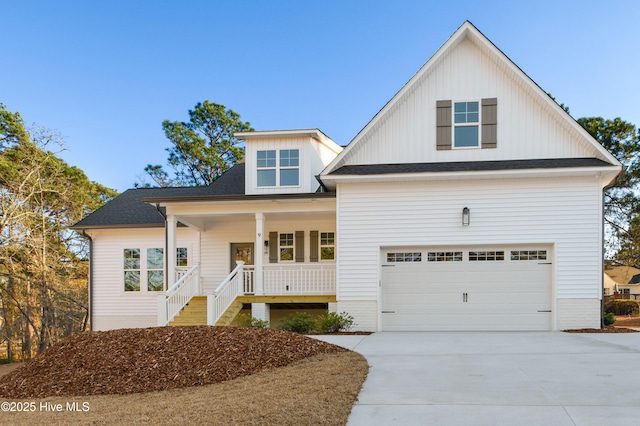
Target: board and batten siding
111	304
313	157
563	213
527	126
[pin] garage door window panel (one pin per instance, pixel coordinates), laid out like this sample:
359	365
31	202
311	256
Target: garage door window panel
404	257
528	255
484	256
444	256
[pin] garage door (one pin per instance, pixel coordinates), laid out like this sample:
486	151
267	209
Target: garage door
476	288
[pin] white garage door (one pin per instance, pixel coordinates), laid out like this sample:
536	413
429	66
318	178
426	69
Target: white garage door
501	288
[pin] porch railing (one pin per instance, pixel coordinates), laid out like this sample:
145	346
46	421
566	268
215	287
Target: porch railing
178	295
277	281
181	271
240	281
299	279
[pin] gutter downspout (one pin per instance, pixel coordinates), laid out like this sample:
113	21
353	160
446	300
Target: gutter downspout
90	286
166	243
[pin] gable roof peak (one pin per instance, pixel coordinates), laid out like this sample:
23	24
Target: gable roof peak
467	31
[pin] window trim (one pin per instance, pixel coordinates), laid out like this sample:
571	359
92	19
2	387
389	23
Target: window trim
278	168
143	267
161	269
281	168
476	124
125	269
292	247
266	167
332	245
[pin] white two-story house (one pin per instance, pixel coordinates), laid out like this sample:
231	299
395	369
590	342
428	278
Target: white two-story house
471	201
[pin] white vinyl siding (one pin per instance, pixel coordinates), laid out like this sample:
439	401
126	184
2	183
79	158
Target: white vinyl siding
563	213
109	298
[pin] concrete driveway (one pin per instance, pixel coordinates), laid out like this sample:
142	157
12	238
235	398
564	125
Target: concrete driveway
497	378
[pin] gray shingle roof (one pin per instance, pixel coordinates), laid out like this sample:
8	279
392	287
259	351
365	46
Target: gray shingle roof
128	209
468	166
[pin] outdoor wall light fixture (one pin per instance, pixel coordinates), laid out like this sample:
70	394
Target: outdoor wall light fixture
266	243
465	216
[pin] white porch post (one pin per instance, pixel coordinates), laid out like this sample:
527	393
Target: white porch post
171	249
258	256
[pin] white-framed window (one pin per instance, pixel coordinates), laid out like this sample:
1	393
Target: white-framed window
132	269
266	165
144	268
466	124
327	246
182	258
286	247
155	269
278	168
289	167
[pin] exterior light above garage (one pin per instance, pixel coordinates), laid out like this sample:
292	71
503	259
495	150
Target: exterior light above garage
465	216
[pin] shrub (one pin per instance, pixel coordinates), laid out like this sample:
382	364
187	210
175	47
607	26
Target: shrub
247	321
299	322
333	322
622	307
608	318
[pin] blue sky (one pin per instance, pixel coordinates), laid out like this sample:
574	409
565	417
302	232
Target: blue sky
105	74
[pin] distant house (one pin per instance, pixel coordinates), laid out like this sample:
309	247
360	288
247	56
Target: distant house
471	201
621	281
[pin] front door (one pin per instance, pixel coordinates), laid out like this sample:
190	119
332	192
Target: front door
241	251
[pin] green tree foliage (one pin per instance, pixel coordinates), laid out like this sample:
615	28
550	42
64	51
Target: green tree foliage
202	148
622	200
43	281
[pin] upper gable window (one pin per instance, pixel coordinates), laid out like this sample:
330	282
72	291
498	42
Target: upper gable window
278	168
464	125
466	120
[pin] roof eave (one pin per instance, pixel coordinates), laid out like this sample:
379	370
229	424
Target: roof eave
117	226
606	173
247	198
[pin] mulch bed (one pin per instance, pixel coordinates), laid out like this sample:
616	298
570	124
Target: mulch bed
607	329
153	359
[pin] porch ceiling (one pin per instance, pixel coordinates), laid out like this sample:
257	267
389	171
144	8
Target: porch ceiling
202	222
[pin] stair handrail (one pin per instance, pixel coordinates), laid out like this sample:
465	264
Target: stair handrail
219	300
177	296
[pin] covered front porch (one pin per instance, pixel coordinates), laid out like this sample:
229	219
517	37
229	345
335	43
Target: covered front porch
280	251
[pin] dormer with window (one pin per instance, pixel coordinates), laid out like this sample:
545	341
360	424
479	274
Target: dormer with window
286	162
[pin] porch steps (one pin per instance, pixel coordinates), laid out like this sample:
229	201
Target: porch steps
194	313
231	313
